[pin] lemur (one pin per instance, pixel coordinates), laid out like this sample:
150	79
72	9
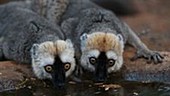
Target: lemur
27	37
98	35
53	10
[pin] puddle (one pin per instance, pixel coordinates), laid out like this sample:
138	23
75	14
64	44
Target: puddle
121	88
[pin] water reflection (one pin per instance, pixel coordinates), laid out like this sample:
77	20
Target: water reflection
122	88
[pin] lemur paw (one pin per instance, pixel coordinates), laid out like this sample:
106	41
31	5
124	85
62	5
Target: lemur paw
152	56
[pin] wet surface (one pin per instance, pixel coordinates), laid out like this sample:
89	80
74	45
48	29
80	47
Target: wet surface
121	88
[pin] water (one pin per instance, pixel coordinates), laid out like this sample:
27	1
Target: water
120	88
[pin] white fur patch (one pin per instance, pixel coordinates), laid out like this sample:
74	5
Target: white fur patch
85	59
93	53
117	66
68	56
111	55
118	58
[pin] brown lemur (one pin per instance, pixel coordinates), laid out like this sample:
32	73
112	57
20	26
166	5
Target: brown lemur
99	37
29	38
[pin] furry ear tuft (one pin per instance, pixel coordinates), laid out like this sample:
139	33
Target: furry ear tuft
34	50
83	39
34	26
120	37
70	44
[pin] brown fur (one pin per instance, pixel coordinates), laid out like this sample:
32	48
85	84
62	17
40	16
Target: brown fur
104	42
53	48
60	46
48	47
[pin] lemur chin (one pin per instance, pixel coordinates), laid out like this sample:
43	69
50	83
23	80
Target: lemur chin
101	53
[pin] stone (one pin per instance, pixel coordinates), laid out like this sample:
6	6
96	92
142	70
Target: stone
13	74
140	70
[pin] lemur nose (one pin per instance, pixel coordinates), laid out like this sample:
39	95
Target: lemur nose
100	79
60	86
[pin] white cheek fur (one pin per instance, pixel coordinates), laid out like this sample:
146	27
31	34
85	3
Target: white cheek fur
68	56
69	72
93	53
69	59
85	59
47	61
85	63
111	55
39	71
117	66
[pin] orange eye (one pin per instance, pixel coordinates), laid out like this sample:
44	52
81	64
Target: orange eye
67	66
48	68
92	60
111	62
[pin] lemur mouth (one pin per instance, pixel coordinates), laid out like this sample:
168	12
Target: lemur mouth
101	68
58	80
101	77
58	75
100	73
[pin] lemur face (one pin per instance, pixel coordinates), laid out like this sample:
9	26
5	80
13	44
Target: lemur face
101	53
53	60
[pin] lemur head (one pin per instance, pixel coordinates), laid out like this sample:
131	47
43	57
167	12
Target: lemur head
101	53
53	60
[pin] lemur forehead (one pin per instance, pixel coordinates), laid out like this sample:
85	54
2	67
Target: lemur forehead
53	48
61	45
102	41
48	47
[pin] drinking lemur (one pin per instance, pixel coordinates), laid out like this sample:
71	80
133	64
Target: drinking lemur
29	38
98	35
100	38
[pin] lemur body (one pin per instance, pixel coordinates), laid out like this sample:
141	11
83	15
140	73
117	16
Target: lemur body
100	36
53	10
28	38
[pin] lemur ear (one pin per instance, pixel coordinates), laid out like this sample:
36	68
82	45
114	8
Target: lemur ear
70	44
120	37
33	26
34	49
83	39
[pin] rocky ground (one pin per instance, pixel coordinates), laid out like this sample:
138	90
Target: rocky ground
151	23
